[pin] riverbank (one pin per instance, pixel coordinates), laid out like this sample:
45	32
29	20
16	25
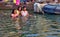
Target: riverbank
13	6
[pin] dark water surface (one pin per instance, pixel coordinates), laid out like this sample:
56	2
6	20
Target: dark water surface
37	26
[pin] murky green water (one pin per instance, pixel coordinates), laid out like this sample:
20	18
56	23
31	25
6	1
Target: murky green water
38	25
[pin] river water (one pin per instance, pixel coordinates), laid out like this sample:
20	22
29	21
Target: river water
38	25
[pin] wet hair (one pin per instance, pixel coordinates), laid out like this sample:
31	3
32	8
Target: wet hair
19	7
13	11
24	7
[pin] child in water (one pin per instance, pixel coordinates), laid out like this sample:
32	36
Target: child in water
19	10
25	15
24	12
15	13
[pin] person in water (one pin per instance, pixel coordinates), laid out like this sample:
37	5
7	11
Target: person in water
19	10
24	15
14	13
16	19
24	12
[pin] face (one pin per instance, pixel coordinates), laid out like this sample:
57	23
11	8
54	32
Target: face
19	8
24	9
15	11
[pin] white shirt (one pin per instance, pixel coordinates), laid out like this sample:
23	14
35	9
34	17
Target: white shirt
24	13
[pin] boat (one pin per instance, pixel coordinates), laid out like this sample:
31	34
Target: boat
48	8
55	9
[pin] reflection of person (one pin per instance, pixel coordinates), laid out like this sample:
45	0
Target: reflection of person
17	24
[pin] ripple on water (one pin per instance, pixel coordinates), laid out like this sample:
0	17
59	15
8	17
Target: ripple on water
36	24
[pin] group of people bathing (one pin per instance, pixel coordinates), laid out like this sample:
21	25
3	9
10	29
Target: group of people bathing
20	11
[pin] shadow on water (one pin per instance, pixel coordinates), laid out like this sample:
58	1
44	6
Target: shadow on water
38	25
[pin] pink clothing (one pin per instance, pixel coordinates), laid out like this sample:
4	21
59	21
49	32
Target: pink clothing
14	15
24	13
17	2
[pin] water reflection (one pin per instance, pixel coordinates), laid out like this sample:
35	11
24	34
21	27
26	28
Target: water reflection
17	23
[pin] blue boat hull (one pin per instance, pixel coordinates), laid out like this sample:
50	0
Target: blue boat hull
54	9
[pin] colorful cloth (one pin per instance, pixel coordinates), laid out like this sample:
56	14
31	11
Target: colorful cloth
14	1
17	2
